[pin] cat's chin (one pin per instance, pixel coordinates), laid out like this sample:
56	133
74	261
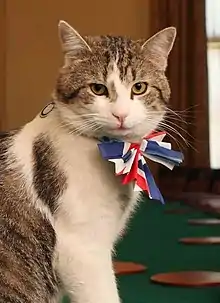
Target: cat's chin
124	135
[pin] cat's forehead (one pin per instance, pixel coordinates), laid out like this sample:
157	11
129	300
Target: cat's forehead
112	51
114	44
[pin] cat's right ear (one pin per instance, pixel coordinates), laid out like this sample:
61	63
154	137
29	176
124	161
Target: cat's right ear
71	41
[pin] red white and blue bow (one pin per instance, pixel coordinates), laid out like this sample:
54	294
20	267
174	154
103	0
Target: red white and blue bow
129	159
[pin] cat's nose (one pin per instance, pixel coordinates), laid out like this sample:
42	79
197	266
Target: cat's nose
120	117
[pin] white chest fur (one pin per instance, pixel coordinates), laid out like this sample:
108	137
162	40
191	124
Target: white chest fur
95	203
92	213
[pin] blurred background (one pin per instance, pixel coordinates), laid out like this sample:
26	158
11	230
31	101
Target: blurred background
30	57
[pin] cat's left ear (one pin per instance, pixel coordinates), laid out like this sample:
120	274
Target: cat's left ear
71	41
159	46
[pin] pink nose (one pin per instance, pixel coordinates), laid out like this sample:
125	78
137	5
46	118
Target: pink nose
120	117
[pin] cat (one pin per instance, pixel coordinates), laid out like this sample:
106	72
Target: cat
62	208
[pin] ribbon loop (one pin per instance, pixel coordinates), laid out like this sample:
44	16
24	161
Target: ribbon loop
129	159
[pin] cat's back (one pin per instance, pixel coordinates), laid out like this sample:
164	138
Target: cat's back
27	239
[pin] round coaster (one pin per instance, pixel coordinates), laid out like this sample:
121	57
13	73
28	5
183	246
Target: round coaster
200	240
128	267
188	278
211	221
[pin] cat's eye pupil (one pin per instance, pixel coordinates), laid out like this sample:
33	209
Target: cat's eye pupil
98	87
138	86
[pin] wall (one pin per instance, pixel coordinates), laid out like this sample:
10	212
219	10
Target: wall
2	64
33	51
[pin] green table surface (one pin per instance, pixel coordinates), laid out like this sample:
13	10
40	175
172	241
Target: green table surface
152	239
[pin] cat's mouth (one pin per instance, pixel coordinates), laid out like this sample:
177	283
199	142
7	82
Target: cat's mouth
120	129
120	132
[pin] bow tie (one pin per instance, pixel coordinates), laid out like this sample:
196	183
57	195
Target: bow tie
130	160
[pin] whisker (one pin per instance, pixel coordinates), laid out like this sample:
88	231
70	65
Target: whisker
184	110
170	118
89	115
181	128
180	114
81	128
180	146
160	128
175	131
168	128
171	128
187	142
92	126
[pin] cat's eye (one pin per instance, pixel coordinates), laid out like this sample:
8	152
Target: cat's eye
99	89
139	88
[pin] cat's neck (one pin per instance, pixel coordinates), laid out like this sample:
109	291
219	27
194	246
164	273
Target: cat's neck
53	126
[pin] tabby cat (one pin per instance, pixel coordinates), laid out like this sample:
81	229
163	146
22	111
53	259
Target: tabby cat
61	206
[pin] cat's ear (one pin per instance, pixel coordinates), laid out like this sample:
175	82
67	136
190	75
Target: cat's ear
159	46
71	41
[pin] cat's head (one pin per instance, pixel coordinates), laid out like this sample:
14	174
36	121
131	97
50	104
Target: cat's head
113	86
